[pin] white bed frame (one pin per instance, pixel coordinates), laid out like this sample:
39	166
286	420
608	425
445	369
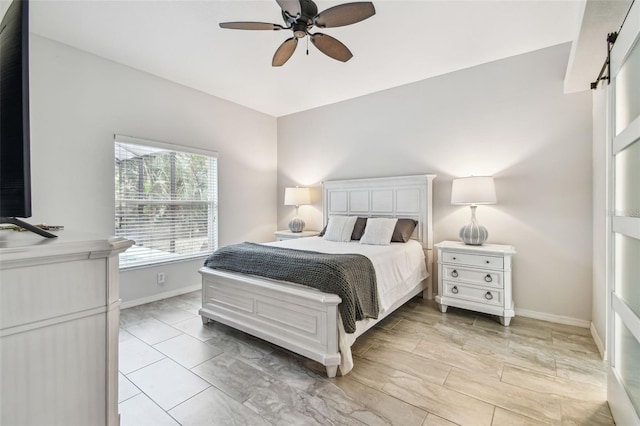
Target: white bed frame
302	319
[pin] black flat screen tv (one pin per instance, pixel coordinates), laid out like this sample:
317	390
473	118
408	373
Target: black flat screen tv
15	158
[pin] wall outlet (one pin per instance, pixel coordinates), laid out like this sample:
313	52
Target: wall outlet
160	278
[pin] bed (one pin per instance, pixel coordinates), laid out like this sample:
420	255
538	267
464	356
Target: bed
305	320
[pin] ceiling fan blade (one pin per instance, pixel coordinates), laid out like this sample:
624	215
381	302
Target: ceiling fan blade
250	26
284	52
331	47
344	14
292	7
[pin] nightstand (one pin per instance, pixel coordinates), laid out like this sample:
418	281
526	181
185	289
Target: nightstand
476	278
288	235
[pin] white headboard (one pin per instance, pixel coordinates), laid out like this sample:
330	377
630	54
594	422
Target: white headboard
398	196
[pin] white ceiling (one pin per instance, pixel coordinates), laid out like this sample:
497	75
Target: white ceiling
405	41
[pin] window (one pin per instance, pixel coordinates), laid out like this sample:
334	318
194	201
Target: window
166	200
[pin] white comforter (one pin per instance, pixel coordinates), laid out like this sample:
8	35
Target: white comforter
399	268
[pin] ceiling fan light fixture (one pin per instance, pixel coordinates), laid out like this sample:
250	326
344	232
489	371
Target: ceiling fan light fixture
299	30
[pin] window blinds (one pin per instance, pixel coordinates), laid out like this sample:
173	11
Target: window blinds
166	200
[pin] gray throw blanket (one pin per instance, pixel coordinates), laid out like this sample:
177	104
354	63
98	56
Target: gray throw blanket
350	276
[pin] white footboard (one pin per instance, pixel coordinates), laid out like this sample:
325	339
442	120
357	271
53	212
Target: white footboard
301	319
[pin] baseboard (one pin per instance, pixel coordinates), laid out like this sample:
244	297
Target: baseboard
553	318
596	338
159	296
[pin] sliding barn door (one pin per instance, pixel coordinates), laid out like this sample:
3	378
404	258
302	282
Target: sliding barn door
624	206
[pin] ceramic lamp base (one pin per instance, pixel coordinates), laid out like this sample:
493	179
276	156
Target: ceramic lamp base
473	234
296	225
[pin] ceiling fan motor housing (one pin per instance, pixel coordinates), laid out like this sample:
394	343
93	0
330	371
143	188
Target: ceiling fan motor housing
308	10
299	30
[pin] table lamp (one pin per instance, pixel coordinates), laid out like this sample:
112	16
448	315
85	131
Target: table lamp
296	197
472	191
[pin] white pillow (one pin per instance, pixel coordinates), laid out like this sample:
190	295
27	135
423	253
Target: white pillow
340	228
378	231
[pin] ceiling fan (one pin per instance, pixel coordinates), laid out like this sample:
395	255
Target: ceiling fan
300	16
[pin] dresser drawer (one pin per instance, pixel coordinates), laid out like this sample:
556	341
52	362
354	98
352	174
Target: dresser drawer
486	296
461	274
473	259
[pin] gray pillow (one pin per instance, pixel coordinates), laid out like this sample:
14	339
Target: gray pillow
403	230
358	229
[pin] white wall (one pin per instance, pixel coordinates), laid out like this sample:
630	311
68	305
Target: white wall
598	310
509	119
79	101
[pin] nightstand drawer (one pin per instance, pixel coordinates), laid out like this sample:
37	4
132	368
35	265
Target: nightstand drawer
473	259
473	276
486	296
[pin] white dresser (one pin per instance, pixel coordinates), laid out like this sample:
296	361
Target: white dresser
476	278
59	320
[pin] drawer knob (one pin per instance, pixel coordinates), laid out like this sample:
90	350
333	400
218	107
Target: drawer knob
454	258
454	290
488	278
487	261
488	295
454	273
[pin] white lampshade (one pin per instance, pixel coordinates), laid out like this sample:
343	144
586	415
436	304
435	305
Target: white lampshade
473	190
296	196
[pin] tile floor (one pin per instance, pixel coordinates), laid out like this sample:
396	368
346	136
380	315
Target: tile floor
417	367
